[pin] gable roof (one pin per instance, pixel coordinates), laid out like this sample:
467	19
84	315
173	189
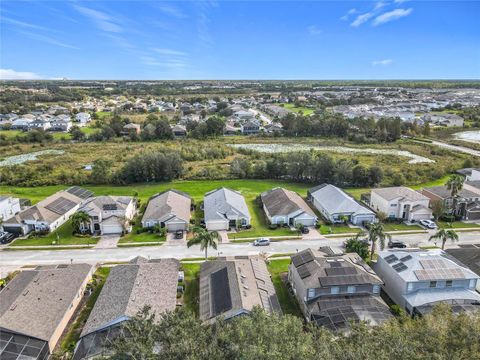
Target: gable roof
100	203
280	201
335	200
130	287
235	285
444	193
402	192
469	255
220	203
168	204
35	301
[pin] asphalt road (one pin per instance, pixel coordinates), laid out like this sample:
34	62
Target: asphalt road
93	256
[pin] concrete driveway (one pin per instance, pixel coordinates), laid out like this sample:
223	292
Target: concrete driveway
172	241
313	234
108	241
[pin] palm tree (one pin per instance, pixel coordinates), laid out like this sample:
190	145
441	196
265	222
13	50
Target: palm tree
205	238
79	218
455	185
376	232
444	235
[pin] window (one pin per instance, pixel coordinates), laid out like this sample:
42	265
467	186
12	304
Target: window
473	283
433	284
448	283
351	289
409	286
334	290
311	293
376	289
393	205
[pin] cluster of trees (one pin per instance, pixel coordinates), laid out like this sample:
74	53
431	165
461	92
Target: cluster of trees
179	335
32	136
307	167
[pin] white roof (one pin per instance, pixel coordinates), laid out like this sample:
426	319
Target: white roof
336	201
220	203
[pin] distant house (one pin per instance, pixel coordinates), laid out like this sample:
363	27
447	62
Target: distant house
179	130
131	128
169	209
83	118
335	289
335	205
250	127
48	214
109	214
36	306
448	120
466	205
39	124
471	174
231	287
274	128
127	290
469	256
60	125
21	123
417	280
401	203
225	208
283	206
231	130
243	115
9	206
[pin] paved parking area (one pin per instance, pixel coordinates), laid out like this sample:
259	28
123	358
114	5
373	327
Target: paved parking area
313	234
223	237
172	241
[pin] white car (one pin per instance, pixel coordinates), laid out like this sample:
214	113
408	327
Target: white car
261	242
428	224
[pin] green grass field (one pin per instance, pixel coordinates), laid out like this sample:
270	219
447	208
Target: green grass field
457	225
401	227
144	237
337	229
287	302
65	237
192	287
304	110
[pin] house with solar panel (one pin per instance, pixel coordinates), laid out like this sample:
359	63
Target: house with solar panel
109	214
334	289
36	307
233	286
127	290
417	280
48	214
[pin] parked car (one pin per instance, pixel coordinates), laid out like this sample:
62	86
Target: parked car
304	230
261	242
429	224
6	237
397	244
179	234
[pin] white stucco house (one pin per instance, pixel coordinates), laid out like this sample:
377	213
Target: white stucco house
82	118
9	206
225	208
169	209
401	203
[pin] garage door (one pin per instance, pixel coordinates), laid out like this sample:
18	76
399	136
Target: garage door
217	225
176	226
111	229
359	220
305	222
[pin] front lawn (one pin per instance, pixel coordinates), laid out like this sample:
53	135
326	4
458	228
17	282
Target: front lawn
401	227
62	236
287	301
304	110
337	229
457	225
192	287
143	237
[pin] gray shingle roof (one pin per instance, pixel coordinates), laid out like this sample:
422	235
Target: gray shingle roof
444	193
280	201
220	203
130	287
336	201
169	204
403	192
35	301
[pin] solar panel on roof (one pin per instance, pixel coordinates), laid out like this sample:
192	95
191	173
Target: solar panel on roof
302	258
221	298
109	206
80	192
406	258
391	258
303	271
61	205
336	264
400	267
341	271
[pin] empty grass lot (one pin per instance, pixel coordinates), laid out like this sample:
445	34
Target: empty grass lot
65	237
287	301
305	111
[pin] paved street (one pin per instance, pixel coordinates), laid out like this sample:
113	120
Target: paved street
21	258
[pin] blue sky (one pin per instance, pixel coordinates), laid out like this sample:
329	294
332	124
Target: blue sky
394	39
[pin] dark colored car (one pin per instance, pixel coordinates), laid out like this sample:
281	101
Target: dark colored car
6	237
397	245
305	230
179	234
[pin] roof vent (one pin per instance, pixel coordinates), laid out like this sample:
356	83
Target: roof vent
13	307
245	287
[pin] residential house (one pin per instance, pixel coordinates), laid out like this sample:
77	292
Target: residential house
336	205
179	130
9	206
401	203
225	208
39	124
59	124
469	256
471	174
36	307
109	214
466	205
48	214
283	206
231	287
21	123
335	289
250	127
447	120
131	128
231	130
83	118
169	209
417	280
127	290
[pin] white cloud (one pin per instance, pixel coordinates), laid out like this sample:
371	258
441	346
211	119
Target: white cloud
360	19
47	39
384	62
171	10
169	52
347	15
391	15
10	74
314	30
399	1
102	20
22	24
379	5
